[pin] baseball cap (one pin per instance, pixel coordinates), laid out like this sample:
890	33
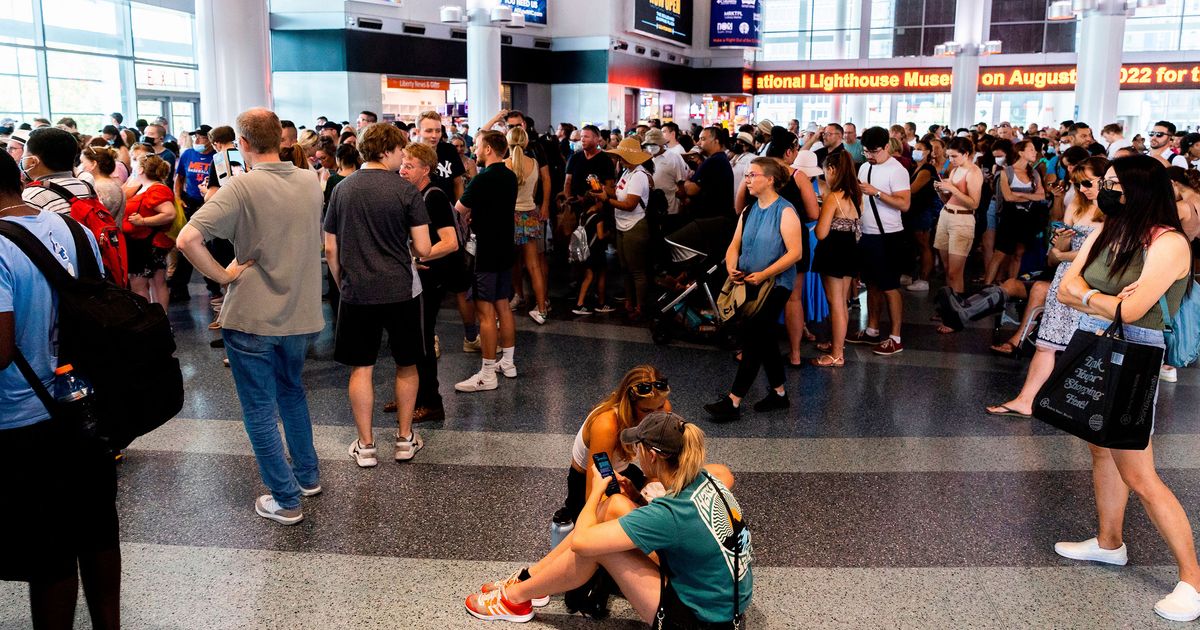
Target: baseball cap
654	136
202	131
744	136
1185	144
661	431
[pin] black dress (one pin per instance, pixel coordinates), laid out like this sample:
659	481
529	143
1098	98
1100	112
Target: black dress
836	254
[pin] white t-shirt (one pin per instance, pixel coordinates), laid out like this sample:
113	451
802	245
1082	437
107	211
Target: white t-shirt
740	163
1173	158
890	177
677	149
1117	145
632	183
669	168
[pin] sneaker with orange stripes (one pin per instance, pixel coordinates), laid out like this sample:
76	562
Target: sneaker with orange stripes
537	602
493	606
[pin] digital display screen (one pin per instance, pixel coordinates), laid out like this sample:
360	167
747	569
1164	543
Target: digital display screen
533	10
666	19
734	24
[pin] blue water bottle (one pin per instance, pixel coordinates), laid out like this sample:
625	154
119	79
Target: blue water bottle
560	527
74	395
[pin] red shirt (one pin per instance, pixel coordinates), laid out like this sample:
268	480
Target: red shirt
143	204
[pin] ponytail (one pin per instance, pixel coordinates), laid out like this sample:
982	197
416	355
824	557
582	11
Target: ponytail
690	461
517	141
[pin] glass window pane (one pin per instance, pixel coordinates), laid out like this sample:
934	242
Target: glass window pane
906	42
1060	37
834	44
881	43
87	88
16	21
1191	33
1169	8
781	15
935	35
909	13
939	12
183	117
1155	33
1191	7
828	16
90	25
149	110
882	13
1018	11
1020	38
162	34
782	47
167	78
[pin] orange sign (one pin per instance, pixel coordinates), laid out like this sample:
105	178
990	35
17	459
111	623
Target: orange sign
407	83
1167	76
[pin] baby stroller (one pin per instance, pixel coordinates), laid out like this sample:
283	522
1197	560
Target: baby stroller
687	309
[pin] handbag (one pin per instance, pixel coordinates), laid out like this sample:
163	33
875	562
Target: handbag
1182	332
1103	389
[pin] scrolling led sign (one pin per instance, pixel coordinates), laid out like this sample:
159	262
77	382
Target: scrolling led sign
1172	76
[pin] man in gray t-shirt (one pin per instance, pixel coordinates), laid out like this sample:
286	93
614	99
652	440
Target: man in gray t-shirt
272	311
374	224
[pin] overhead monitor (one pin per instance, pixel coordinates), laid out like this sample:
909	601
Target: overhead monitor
533	10
669	20
734	24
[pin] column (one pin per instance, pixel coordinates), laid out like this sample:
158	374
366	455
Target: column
1099	59
483	64
964	87
234	55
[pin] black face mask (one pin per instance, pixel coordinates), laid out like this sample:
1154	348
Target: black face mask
1110	202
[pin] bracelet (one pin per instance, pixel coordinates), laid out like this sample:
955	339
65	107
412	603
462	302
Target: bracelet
1087	297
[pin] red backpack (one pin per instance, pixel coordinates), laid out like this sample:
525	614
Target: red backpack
92	215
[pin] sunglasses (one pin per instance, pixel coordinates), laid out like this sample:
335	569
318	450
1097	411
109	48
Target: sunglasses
1087	183
646	388
1157	134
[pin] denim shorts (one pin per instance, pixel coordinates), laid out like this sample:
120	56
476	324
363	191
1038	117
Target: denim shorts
991	215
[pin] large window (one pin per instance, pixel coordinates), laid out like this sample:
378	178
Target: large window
96	55
910	28
1173	26
1022	27
810	29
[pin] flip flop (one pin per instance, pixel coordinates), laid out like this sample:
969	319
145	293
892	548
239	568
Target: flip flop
1012	352
1008	412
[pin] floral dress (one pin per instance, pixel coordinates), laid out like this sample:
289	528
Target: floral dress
1059	321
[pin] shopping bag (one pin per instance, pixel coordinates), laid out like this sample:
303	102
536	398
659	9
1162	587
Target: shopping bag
1103	389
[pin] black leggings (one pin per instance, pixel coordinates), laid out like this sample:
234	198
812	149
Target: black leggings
760	347
427	391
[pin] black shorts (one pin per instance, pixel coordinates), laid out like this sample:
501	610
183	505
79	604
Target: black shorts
492	286
881	258
54	512
1019	227
360	330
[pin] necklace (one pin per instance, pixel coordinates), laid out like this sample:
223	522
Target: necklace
7	208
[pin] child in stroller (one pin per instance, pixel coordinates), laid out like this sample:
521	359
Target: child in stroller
691	265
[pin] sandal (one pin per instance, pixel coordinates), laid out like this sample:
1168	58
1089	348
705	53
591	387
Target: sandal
825	346
945	330
1000	350
1006	411
808	336
828	360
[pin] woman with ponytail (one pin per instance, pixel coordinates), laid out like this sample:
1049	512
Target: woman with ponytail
1022	214
529	219
682	559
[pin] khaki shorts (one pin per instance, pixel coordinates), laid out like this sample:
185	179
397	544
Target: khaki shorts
956	233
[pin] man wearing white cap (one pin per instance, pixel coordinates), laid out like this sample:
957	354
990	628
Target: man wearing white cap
16	144
669	167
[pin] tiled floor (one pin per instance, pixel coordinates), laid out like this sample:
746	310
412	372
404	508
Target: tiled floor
884	498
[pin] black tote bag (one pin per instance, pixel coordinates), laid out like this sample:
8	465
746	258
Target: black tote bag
1102	389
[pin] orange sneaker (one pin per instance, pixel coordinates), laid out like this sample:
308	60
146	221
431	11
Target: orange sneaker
537	602
493	606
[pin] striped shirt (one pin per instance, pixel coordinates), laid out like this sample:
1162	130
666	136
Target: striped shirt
50	201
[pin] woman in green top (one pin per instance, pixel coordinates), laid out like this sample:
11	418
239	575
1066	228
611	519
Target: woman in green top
1140	256
674	558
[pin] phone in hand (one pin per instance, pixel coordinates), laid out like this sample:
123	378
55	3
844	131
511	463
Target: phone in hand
606	470
1059	225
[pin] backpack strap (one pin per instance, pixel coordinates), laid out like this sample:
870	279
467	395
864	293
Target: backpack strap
35	383
41	257
737	550
63	191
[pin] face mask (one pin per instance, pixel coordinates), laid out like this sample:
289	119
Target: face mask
576	145
24	169
1063	146
1000	161
917	155
1110	203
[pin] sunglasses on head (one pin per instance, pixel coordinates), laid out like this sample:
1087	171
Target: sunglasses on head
646	388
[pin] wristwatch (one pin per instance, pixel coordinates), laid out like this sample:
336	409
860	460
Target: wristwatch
878	195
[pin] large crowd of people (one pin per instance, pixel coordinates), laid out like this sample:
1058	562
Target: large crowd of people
410	216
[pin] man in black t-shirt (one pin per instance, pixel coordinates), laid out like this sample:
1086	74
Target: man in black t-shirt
444	264
490	202
589	160
448	174
711	188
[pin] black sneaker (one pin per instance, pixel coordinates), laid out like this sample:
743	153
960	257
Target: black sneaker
772	402
862	338
723	410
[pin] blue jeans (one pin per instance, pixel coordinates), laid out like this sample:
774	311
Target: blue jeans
266	371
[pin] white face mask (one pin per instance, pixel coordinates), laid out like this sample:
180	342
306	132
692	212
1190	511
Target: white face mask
652	149
1000	161
1063	146
918	154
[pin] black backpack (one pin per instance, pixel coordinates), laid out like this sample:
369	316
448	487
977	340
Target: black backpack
113	337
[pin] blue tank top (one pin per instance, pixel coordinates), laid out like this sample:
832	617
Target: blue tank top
762	243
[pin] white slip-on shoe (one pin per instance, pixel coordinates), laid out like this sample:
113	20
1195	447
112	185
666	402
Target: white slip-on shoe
1168	374
1091	551
1183	604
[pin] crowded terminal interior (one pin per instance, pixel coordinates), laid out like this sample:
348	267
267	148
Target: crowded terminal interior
687	314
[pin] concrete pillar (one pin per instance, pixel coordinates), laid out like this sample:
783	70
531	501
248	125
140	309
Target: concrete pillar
483	64
969	19
855	110
1099	58
234	57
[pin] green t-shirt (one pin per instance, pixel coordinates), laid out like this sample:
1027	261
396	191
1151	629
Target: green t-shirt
686	531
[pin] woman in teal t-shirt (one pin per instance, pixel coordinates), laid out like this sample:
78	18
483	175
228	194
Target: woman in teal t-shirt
696	530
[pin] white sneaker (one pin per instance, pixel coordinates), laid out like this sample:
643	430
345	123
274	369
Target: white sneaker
1091	551
905	280
310	492
267	507
363	456
1183	604
516	303
537	316
471	345
480	381
509	369
1168	374
918	286
407	449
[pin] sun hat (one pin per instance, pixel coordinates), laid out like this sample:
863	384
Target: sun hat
806	162
631	151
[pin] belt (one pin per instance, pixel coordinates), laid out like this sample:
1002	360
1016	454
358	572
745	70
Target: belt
957	211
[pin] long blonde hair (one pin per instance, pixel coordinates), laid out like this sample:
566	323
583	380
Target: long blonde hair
622	404
690	460
518	140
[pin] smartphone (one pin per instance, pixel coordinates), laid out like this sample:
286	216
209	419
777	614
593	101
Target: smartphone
228	164
1059	225
606	470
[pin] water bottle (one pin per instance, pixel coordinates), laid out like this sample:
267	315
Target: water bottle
74	395
560	526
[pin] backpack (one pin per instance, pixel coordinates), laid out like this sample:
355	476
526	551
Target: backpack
92	214
579	249
115	338
1182	333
